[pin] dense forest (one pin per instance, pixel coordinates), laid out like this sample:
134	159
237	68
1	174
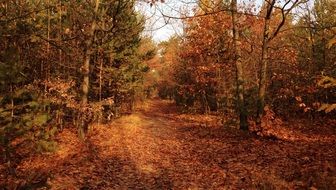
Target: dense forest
243	98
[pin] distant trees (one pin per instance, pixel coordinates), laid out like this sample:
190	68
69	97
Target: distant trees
204	59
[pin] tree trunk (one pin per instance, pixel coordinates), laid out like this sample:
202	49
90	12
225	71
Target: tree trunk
100	77
83	127
264	63
87	57
47	67
262	82
7	145
60	38
86	72
239	70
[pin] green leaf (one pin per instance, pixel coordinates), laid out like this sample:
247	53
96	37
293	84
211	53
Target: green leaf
45	145
53	131
27	117
29	123
33	104
41	119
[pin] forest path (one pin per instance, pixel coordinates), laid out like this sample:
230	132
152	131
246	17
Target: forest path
157	148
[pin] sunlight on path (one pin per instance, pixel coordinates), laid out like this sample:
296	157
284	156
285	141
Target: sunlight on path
157	148
150	139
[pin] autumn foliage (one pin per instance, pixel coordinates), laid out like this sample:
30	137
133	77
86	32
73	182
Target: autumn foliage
205	72
88	100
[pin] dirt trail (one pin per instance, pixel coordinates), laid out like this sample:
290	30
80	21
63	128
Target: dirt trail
156	148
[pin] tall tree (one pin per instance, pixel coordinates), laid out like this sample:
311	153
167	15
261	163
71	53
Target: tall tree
268	36
239	69
87	55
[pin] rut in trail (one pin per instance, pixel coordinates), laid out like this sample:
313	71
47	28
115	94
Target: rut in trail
157	148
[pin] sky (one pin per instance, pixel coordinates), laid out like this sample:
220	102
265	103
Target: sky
161	28
164	33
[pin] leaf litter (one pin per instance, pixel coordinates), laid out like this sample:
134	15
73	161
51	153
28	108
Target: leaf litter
157	148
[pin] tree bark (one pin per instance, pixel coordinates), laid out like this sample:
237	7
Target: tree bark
100	77
87	57
83	127
47	68
239	70
86	80
60	38
264	63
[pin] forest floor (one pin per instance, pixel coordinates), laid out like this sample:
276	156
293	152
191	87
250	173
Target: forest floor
157	148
